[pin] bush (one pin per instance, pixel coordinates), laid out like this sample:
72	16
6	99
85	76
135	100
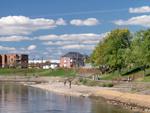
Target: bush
83	81
107	85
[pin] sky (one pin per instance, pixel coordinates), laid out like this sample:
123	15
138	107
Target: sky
50	28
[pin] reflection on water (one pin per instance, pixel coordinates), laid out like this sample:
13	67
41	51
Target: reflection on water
20	99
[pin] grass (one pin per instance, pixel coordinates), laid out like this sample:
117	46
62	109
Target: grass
111	76
138	76
89	82
146	79
70	72
37	72
58	72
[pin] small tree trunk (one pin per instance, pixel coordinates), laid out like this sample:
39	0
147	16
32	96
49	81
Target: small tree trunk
144	71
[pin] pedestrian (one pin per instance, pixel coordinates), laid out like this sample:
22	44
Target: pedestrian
65	82
70	83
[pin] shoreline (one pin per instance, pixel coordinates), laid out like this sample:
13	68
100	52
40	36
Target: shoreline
131	101
134	102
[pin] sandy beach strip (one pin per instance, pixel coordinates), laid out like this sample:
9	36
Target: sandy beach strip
136	100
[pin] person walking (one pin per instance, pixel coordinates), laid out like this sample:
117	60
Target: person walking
70	83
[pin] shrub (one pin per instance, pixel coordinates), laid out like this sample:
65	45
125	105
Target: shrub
107	85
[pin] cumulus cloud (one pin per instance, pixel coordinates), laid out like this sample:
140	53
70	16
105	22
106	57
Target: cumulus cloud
58	43
86	22
5	48
91	41
79	46
84	43
61	21
31	47
13	38
14	25
139	20
47	37
63	43
143	9
72	37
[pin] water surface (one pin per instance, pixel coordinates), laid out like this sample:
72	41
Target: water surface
15	98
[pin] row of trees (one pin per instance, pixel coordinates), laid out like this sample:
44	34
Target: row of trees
121	49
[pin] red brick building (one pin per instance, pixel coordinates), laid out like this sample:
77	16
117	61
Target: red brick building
13	60
72	59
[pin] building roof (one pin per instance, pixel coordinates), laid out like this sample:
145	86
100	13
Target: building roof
73	55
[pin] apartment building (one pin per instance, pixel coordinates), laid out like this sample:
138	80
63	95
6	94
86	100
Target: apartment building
13	60
72	59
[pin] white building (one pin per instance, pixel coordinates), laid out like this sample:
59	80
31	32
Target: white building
45	64
54	64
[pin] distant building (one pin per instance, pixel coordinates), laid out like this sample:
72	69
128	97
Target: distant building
13	60
45	64
72	59
54	64
38	63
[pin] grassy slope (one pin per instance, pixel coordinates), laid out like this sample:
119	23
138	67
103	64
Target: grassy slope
38	72
69	72
138	76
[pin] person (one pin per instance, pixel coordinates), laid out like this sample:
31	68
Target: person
65	82
70	83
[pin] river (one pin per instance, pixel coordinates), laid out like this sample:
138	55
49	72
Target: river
15	98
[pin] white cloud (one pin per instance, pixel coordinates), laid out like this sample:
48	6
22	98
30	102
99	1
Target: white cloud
91	41
139	20
72	37
86	22
31	47
61	21
72	42
79	46
16	25
143	9
14	39
83	43
58	43
47	37
4	48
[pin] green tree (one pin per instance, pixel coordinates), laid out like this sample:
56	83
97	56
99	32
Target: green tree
111	50
140	50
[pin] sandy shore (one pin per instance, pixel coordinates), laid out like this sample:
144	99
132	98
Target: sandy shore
140	102
133	101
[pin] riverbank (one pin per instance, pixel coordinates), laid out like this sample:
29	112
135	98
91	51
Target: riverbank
136	102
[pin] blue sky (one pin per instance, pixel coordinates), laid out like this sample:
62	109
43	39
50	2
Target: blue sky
50	28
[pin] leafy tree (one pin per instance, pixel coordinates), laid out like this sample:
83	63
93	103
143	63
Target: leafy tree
111	50
140	50
98	54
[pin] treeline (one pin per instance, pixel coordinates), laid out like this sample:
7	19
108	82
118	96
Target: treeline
121	50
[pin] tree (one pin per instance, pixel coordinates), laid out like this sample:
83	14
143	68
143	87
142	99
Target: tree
140	50
97	57
111	50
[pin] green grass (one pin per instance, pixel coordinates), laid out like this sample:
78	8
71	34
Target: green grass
138	76
12	71
58	72
145	79
38	72
111	76
89	82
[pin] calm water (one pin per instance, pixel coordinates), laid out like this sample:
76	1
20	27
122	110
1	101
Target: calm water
20	99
